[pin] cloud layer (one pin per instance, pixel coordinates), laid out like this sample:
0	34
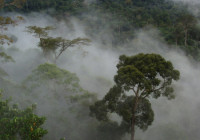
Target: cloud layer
95	65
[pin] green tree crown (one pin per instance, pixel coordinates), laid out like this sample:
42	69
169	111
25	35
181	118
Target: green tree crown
138	78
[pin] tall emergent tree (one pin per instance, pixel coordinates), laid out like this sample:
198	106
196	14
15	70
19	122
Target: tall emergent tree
55	46
39	32
186	22
138	78
58	45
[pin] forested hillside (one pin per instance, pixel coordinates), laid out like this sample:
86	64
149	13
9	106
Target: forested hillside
177	25
99	70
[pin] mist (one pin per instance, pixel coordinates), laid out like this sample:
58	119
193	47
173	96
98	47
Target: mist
95	66
192	5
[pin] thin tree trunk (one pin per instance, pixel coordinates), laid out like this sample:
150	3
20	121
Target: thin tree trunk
55	58
186	37
133	118
133	128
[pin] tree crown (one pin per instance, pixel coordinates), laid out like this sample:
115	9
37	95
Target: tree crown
138	78
146	74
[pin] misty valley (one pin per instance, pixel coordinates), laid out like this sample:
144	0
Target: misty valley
99	69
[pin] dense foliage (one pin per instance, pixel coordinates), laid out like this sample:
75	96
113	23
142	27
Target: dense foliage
54	47
60	6
123	17
54	78
57	91
23	124
138	78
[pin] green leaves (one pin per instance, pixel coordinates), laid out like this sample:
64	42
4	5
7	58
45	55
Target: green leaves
31	127
144	115
39	31
16	3
99	110
55	46
149	73
47	75
5	57
6	21
58	45
138	77
14	122
128	77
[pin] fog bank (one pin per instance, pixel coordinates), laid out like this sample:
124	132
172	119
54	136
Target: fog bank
95	65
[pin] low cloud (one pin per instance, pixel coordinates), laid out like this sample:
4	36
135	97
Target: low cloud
95	65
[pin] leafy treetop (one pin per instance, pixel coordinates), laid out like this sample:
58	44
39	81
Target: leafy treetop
46	73
15	123
39	32
138	78
146	75
56	46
